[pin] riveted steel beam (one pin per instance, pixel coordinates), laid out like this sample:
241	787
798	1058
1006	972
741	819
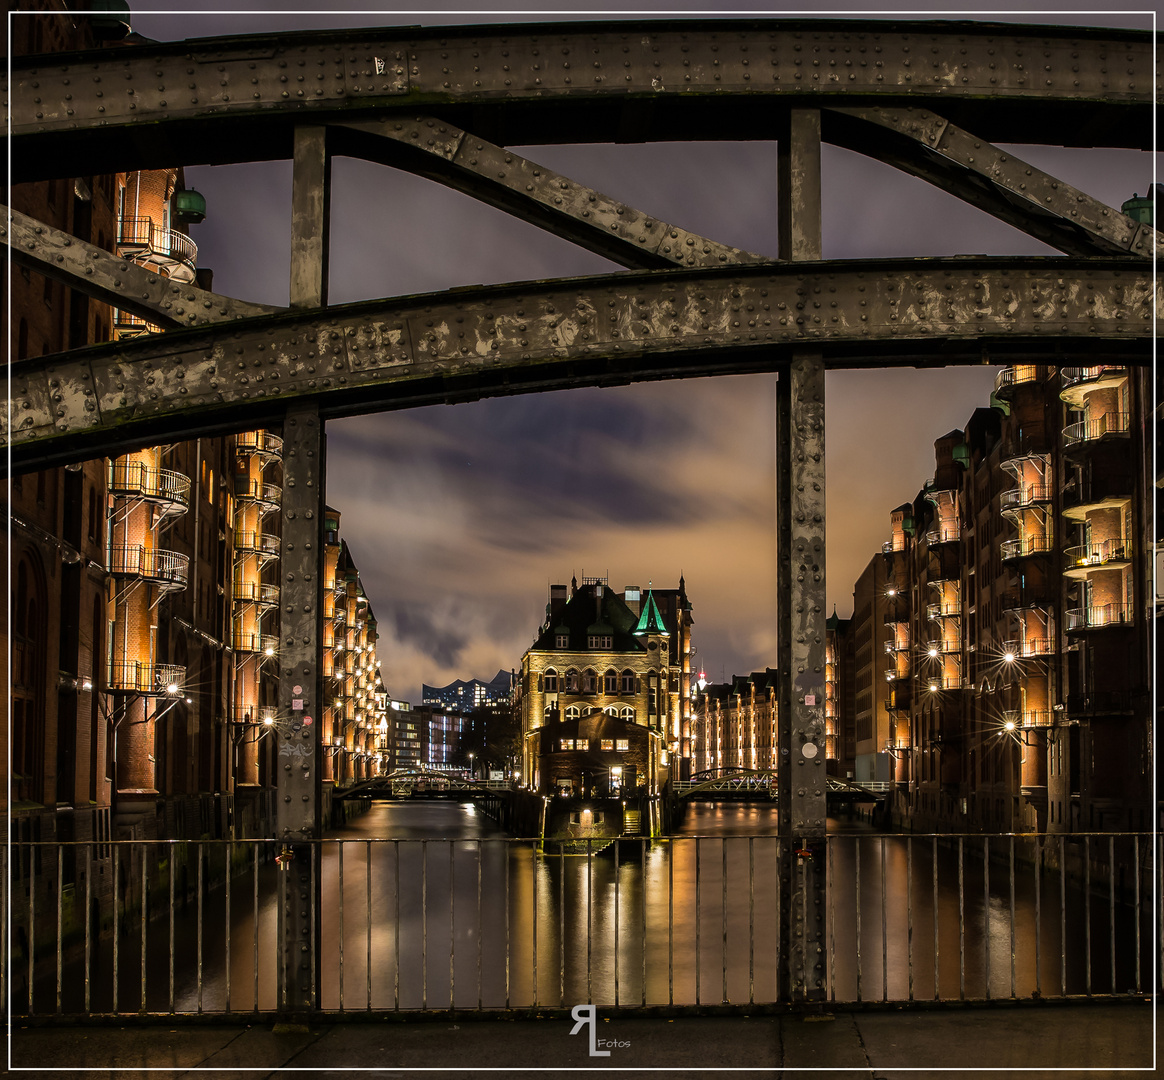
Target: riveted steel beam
116	281
235	99
443	152
554	335
927	145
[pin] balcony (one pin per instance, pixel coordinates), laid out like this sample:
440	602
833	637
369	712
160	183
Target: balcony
262	544
168	570
265	496
944	682
1099	703
1036	718
898	699
1108	425
1029	648
951	609
255	714
259	442
1080	561
897	543
168	251
1026	546
341	615
127	325
1099	617
1028	495
1029	597
133	479
152	680
1078	382
1097	489
1011	377
265	644
256	592
945	534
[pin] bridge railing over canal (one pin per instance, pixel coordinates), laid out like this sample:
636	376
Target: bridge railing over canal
182	928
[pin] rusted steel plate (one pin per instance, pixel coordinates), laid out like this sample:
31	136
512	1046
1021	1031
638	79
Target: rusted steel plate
553	335
219	99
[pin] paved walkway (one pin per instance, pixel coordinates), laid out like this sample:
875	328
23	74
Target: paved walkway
1111	1039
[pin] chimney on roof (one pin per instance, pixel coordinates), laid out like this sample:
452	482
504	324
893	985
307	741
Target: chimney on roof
558	600
632	597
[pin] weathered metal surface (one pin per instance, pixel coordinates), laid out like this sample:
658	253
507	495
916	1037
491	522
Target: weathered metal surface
223	99
310	218
519	338
926	144
441	151
300	697
799	186
104	276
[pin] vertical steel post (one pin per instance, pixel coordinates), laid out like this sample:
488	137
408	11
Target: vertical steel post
800	547
301	597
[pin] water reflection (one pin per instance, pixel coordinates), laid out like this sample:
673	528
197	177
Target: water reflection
450	913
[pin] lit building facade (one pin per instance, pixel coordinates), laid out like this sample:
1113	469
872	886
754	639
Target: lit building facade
736	725
604	691
467	695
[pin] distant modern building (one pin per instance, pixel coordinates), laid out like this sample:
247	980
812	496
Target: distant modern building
466	696
604	694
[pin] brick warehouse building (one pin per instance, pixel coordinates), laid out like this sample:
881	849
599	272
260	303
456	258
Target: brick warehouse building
144	620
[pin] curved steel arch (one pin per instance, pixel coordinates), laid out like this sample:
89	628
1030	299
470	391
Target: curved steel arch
230	99
509	339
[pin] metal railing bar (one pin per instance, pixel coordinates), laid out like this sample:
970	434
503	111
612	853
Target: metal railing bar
340	898
986	910
480	993
534	873
857	897
506	876
145	879
884	931
617	876
452	925
368	914
751	920
201	892
934	871
589	921
1111	906
1062	915
961	920
832	935
226	926
723	915
316	879
396	931
1087	906
1038	918
88	922
909	911
779	872
424	924
697	921
671	922
1136	890
32	933
61	922
255	924
171	921
562	922
642	913
1012	957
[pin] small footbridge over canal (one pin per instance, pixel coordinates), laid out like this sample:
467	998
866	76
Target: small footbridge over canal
759	785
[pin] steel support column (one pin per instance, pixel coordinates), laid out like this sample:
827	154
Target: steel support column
301	606
801	593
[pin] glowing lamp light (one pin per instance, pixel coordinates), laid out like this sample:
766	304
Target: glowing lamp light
933	687
1008	657
891	592
269	650
702	681
933	651
1009	725
172	688
268	720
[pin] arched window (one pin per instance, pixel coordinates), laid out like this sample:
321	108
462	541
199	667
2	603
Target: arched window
550	681
571	681
628	681
589	681
573	712
627	713
610	680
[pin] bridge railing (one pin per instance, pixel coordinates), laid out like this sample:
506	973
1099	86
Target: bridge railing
498	924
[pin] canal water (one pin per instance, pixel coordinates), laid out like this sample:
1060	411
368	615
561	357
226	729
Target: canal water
430	905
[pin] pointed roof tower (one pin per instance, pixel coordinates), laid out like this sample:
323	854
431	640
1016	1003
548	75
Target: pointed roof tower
651	619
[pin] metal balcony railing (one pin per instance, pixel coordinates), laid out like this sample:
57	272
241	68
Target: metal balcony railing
1111	423
1099	702
1037	718
949	610
259	442
1026	545
1088	557
256	592
1099	616
255	714
1027	495
944	534
269	496
1074	376
153	680
944	682
130	478
266	644
261	543
1010	377
169	569
140	236
895	543
1030	597
1030	647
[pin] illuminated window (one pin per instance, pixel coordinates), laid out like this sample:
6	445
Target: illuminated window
589	681
608	744
599	641
622	745
610	679
628	682
551	681
571	681
561	641
566	744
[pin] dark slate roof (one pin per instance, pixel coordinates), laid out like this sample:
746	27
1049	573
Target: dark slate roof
578	617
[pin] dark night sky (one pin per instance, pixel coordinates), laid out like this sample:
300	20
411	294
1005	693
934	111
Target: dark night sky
461	516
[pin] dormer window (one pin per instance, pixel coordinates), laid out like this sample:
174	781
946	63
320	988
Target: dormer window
599	641
561	641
